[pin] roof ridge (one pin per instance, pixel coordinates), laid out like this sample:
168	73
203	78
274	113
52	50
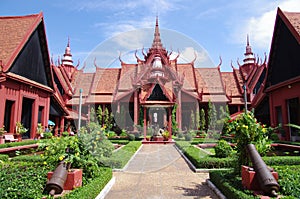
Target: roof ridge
23	16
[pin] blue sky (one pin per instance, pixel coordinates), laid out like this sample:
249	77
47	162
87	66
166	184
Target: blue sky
220	27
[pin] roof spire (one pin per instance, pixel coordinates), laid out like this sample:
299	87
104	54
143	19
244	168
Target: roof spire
249	57
157	41
67	58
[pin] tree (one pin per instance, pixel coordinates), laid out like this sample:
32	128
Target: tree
192	120
202	120
106	118
174	122
212	116
92	115
100	115
197	119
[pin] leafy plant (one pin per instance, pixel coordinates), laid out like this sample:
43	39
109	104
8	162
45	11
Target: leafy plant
249	131
20	129
223	149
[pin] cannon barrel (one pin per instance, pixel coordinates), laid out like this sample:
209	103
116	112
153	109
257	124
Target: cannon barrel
56	183
267	182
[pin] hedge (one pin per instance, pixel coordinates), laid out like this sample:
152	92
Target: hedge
201	159
289	179
282	160
4	157
120	158
28	158
93	188
14	144
229	184
23	180
123	142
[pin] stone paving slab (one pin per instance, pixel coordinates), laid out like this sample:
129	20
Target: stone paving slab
158	171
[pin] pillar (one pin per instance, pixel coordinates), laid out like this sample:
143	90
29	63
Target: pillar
61	125
178	112
136	111
170	122
145	123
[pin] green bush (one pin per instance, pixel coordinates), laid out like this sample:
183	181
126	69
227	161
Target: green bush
223	149
3	157
188	137
93	188
118	141
14	144
282	160
27	158
23	180
229	184
289	180
131	137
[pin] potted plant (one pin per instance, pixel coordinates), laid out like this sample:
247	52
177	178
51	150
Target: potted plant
166	135
2	132
20	129
39	131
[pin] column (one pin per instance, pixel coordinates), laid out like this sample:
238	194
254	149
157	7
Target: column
145	123
178	112
170	122
136	111
61	125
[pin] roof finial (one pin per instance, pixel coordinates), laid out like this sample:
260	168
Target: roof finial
249	57
68	45
247	39
157	41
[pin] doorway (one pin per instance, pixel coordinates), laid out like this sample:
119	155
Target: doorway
26	117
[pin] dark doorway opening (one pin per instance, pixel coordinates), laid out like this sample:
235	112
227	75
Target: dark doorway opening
26	117
8	115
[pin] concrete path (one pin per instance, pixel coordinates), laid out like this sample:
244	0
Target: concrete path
158	171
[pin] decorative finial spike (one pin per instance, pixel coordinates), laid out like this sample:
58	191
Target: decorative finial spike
247	39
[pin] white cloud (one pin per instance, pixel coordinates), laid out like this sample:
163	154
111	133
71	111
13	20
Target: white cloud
260	27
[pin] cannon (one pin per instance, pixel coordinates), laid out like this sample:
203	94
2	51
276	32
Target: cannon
56	183
266	180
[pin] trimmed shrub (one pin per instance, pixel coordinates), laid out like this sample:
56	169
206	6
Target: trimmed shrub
282	160
223	149
131	137
4	157
93	188
23	180
188	137
229	184
28	158
14	144
289	180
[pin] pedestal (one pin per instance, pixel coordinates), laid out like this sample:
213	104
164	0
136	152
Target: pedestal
74	179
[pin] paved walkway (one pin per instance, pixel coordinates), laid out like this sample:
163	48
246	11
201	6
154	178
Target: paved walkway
158	171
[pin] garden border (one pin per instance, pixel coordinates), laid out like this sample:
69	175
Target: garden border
122	170
191	165
106	189
215	189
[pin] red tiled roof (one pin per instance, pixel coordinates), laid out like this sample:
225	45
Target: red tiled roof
105	80
209	80
189	80
294	19
14	32
83	81
108	98
230	84
127	72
